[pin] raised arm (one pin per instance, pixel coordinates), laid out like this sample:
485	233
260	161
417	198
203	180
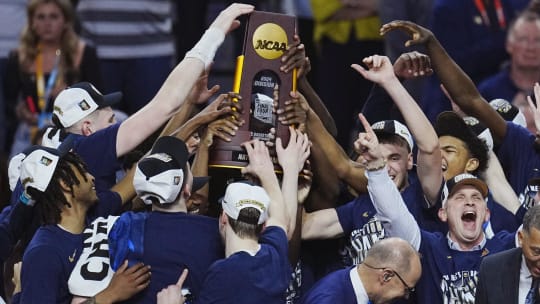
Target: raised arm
292	161
346	169
498	185
198	95
295	57
179	83
429	160
387	200
457	83
261	166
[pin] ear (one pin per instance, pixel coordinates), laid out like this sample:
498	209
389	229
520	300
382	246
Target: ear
386	276
64	186
488	214
443	215
520	237
186	191
471	165
410	161
223	218
86	128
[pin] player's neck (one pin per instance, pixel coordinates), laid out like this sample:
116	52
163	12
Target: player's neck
234	244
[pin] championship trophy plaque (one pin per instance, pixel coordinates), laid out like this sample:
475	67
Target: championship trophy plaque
261	84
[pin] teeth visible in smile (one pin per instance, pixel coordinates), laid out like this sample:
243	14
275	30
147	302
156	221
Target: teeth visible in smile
469	216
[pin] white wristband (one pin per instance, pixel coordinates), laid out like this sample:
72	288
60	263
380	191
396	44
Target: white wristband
206	48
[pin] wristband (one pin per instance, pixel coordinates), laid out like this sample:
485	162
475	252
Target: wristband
206	48
26	199
377	168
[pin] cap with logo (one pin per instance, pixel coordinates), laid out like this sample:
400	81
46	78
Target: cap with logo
80	100
460	180
481	131
38	164
450	124
393	127
508	111
241	195
160	175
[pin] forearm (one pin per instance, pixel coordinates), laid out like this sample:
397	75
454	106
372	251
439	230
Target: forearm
500	188
189	127
321	138
289	189
277	208
317	105
391	208
425	137
179	118
200	168
429	160
462	90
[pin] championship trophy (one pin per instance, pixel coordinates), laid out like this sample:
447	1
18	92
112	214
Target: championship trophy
261	84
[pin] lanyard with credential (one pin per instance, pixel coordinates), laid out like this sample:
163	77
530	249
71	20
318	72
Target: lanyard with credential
498	9
44	92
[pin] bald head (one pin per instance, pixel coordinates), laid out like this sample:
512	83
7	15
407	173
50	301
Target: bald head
394	253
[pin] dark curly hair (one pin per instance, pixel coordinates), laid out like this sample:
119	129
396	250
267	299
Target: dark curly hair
49	204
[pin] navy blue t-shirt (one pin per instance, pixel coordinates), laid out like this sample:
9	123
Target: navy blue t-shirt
451	276
243	278
47	265
99	153
174	241
519	159
357	218
334	288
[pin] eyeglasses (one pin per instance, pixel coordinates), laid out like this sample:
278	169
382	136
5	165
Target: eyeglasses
408	289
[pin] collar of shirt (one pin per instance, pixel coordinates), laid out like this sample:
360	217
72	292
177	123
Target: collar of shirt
525	280
455	246
358	286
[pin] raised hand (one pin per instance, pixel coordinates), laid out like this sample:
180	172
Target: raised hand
259	159
172	294
419	35
295	57
294	111
224	128
412	64
223	104
367	145
298	149
226	20
380	69
200	93
534	109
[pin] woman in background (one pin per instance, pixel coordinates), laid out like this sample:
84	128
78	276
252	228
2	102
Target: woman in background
49	58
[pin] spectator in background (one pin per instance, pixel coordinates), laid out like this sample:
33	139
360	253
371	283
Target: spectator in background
516	81
50	57
473	33
134	43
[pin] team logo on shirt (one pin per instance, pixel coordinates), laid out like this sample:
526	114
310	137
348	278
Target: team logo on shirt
361	241
460	287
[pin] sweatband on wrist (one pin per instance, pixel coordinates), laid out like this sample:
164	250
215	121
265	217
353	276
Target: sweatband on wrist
26	199
206	48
